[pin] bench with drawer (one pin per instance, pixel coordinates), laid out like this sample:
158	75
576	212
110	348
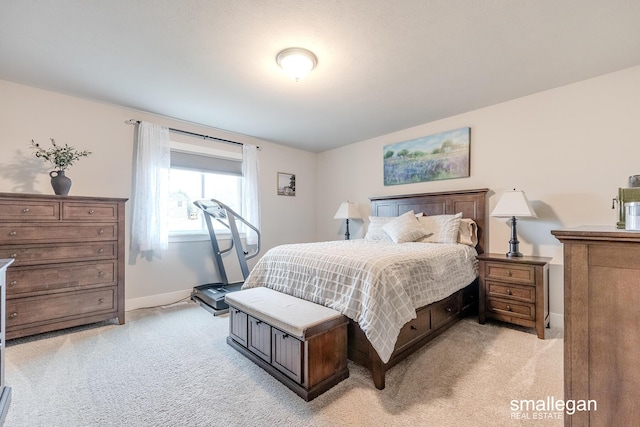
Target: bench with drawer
300	343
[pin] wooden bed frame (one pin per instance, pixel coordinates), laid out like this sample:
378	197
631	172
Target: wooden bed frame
434	318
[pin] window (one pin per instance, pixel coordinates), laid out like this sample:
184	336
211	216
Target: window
200	175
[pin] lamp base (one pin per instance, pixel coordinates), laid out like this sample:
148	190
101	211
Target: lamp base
514	251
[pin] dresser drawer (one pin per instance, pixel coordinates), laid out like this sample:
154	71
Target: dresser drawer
511	308
21	280
67	252
29	210
511	292
89	211
516	273
46	233
47	308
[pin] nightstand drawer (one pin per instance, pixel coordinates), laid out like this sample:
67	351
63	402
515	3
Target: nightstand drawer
511	308
516	273
511	292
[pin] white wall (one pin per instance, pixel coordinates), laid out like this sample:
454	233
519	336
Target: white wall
29	113
569	149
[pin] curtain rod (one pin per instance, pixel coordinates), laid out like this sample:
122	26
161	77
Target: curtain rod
186	132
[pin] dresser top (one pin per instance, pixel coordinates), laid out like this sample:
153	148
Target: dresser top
597	232
59	198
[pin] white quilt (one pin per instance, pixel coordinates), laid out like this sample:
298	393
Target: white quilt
376	283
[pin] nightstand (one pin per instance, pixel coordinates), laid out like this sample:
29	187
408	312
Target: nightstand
514	290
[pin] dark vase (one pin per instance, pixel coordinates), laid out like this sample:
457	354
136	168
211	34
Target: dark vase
60	183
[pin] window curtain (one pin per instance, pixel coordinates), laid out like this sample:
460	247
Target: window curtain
250	196
149	226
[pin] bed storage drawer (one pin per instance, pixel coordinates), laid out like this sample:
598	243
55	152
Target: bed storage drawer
414	329
445	310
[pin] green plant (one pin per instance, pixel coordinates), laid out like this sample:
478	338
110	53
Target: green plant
60	156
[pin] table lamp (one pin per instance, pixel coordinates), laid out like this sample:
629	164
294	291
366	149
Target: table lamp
513	204
347	210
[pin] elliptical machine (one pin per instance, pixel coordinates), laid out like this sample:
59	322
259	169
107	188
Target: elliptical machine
211	295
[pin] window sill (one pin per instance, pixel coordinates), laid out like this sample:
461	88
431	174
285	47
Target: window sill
199	237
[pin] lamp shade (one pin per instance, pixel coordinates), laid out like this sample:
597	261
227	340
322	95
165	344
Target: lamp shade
513	203
347	210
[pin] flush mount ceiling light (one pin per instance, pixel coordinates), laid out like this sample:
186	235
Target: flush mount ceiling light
296	62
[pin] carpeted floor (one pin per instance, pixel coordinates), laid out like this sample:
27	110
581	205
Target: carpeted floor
171	366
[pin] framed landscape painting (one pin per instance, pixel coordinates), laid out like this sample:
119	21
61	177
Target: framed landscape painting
444	155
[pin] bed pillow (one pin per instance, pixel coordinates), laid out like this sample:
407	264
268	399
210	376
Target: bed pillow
443	228
468	233
375	231
405	228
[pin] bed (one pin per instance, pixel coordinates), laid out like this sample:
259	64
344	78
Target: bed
396	301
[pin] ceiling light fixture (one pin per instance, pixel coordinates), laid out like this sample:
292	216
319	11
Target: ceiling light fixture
297	62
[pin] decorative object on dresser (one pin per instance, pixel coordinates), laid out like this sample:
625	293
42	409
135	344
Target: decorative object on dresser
5	392
69	261
347	210
62	158
513	204
515	290
601	324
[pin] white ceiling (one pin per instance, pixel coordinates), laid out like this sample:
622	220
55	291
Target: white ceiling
383	65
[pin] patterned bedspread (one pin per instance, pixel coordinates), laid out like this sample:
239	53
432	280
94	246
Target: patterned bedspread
376	283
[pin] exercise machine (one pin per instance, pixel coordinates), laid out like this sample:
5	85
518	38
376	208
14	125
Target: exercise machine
211	295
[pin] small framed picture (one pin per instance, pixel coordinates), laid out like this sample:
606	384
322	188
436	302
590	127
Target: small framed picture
286	184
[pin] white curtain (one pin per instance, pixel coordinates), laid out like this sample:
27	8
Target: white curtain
149	226
250	196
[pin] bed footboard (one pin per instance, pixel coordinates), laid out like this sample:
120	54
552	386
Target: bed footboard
431	321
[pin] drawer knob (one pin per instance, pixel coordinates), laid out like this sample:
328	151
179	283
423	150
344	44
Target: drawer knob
100	301
448	309
13	255
101	250
100	273
25	210
285	336
509	292
101	231
508	273
13	233
91	212
508	308
12	315
259	322
413	328
13	283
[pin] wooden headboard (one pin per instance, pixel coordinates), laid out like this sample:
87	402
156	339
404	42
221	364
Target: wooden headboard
470	202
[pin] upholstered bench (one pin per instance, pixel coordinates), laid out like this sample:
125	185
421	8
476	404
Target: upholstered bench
300	343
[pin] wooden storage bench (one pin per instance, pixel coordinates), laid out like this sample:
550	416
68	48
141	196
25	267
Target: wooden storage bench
300	343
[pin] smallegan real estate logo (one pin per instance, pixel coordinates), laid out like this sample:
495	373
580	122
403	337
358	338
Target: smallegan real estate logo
549	408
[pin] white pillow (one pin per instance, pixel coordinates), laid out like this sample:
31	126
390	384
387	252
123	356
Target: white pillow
405	228
468	234
443	228
375	231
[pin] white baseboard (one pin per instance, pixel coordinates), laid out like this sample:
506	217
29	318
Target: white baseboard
556	320
156	300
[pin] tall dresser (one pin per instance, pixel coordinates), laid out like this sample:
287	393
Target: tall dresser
68	265
602	324
5	391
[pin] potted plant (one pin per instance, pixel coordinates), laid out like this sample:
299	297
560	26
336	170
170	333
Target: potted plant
61	157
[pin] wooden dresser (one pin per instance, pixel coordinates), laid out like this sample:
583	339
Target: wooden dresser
5	391
68	265
602	324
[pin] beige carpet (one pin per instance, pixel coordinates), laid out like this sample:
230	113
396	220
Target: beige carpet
171	366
